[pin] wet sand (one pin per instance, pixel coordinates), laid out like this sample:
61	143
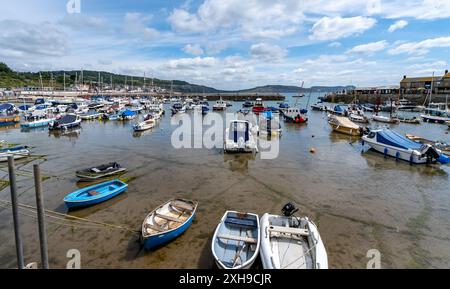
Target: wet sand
358	200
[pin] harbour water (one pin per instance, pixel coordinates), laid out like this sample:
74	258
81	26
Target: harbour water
359	200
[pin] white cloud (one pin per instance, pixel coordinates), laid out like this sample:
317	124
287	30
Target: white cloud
22	40
369	48
422	47
334	28
398	25
251	18
194	49
135	24
81	21
335	44
267	52
191	63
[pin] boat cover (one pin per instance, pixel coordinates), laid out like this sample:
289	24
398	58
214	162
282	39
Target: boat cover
128	113
69	118
392	138
6	106
343	121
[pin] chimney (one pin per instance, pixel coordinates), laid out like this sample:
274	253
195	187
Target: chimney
446	71
404	76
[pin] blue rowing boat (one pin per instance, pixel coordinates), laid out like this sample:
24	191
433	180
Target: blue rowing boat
167	222
95	194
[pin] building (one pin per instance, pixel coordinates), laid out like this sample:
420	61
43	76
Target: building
417	85
376	90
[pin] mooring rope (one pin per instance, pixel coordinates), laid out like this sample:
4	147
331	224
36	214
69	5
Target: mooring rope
84	221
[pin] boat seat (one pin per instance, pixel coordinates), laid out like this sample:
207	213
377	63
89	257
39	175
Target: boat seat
154	228
93	193
240	222
168	218
289	230
183	206
238	238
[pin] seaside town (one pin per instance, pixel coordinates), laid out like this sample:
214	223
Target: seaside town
174	165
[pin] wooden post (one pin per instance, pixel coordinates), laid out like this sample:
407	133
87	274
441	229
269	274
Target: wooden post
41	216
15	212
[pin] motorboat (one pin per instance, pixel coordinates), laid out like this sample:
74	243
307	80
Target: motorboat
220	105
393	144
436	113
178	108
385	119
344	125
291	242
406	105
65	122
128	115
32	122
295	115
258	106
236	240
144	125
239	137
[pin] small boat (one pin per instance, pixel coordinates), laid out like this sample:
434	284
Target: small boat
65	122
144	125
295	115
95	173
178	108
236	241
291	242
16	152
385	119
339	110
247	103
32	122
90	116
95	194
413	120
318	107
299	95
239	138
258	106
406	105
220	105
128	115
8	120
391	143
358	117
344	125
167	222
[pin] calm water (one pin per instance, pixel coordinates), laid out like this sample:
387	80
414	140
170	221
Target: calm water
359	200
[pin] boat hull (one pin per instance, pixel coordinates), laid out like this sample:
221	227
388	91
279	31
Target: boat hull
72	203
434	119
268	255
15	153
397	153
345	130
163	238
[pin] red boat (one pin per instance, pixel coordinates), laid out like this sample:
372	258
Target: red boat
258	107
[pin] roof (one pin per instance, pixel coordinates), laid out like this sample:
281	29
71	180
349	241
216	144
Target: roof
447	75
421	79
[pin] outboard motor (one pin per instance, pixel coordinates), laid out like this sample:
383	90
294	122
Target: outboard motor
289	210
430	152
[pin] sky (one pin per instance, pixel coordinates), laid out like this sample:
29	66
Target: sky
232	44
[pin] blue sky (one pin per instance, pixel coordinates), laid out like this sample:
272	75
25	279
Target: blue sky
232	44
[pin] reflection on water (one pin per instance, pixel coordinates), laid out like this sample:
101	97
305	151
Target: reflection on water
360	201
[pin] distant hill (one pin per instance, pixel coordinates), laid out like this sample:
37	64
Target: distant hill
296	89
10	79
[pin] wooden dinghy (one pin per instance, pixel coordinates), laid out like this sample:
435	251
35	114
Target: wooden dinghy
236	241
95	194
290	242
167	222
444	147
102	171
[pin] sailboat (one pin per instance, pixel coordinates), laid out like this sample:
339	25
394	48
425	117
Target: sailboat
300	94
436	112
